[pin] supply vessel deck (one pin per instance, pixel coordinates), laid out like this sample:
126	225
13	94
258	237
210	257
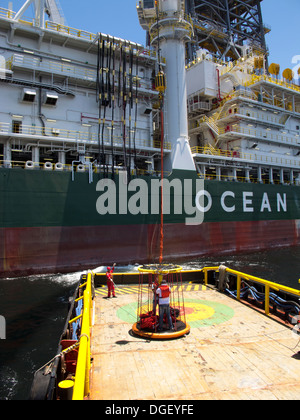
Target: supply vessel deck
243	344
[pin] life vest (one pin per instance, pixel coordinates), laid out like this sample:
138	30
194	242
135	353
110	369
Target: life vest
109	275
165	291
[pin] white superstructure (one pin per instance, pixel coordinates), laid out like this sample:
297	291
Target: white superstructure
73	99
243	123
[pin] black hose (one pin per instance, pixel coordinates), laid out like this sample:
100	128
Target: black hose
113	112
124	103
130	108
99	95
136	106
103	103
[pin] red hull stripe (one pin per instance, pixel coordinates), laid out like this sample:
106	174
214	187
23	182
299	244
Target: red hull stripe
26	251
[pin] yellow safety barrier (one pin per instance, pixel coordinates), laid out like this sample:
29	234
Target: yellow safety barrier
82	375
267	285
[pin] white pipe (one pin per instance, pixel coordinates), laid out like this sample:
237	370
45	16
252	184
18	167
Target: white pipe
176	120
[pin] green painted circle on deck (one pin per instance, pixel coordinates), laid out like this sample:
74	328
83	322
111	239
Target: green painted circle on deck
199	313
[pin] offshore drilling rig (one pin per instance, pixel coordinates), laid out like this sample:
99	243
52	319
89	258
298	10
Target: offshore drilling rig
224	27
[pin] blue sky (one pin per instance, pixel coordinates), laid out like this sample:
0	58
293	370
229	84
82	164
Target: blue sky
283	41
119	18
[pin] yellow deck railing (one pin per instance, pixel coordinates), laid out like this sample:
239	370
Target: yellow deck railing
288	85
82	376
268	285
253	157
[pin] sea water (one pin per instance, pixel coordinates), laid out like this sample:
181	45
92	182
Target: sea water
35	310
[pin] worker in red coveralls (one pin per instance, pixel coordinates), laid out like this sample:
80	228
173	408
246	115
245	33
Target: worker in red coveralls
110	281
163	293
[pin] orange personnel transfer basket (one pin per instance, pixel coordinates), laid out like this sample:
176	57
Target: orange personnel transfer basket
150	278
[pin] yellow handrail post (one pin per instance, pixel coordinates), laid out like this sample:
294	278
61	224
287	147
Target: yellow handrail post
239	282
205	277
267	300
87	370
89	288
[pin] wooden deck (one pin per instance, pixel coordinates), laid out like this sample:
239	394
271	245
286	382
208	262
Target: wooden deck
232	352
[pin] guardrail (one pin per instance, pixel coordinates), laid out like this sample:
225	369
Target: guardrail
268	285
255	157
264	78
82	375
78	167
70	69
74	137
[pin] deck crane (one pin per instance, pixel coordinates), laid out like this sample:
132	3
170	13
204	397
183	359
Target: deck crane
41	7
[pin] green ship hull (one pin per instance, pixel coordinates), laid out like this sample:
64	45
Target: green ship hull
50	223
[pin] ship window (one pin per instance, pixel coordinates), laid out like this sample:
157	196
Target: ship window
17	126
148	4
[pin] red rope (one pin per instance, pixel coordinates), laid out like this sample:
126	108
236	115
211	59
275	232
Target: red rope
183	305
162	190
139	296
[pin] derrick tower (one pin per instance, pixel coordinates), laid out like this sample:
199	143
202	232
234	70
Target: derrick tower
227	27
